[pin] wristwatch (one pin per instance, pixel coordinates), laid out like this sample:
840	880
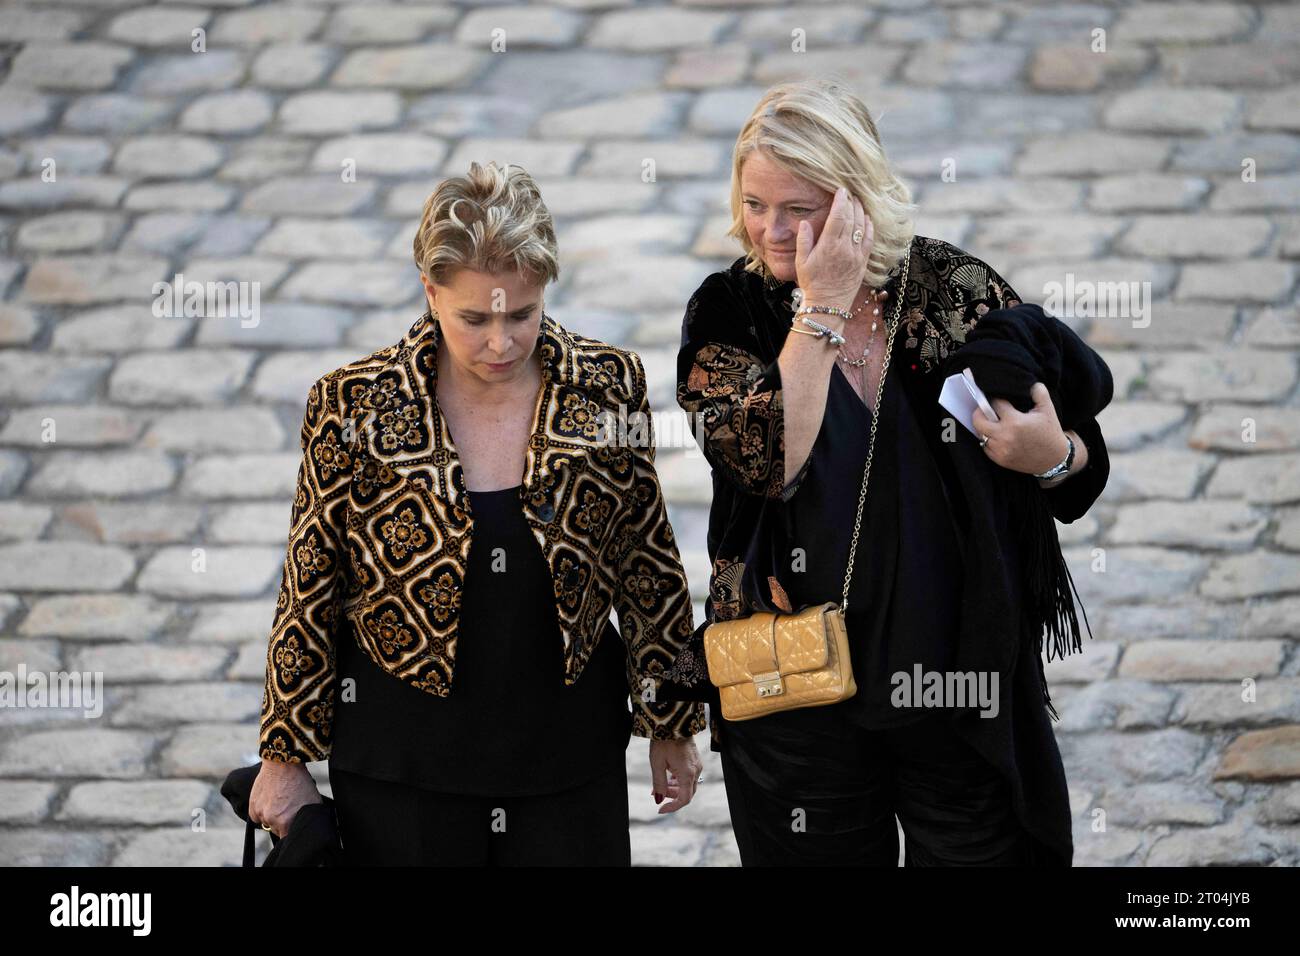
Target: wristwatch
1064	465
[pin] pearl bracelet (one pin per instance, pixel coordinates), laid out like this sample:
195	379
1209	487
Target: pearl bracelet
827	309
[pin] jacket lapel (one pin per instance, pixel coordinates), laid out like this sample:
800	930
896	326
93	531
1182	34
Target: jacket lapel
412	437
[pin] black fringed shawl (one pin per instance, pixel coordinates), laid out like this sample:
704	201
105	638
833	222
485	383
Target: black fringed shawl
1008	350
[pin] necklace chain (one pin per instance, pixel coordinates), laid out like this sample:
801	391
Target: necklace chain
875	420
866	352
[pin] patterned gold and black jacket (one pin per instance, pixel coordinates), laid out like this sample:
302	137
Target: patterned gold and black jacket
381	527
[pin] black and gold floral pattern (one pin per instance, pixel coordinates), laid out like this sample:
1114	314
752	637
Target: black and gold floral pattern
733	394
381	528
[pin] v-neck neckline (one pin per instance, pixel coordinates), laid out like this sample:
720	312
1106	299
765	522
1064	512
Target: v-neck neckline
853	393
436	417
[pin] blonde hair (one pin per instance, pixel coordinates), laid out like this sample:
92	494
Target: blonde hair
490	220
819	130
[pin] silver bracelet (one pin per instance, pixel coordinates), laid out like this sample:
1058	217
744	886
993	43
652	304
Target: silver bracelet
823	331
1062	466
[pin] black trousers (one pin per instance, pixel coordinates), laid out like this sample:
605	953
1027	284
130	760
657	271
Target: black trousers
390	824
806	787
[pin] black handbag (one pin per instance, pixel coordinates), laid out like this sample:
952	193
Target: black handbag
313	837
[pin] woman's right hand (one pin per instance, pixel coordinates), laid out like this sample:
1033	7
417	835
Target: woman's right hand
279	792
831	271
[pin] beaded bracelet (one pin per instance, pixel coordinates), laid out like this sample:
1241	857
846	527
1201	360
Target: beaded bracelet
828	309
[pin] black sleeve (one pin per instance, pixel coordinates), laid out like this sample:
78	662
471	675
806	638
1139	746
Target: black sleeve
732	395
1029	344
1071	499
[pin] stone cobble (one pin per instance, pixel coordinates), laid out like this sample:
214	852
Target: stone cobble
1145	143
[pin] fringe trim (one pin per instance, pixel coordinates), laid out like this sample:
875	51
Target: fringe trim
1050	607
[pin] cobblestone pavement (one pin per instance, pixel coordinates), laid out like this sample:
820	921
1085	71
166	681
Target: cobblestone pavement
1171	158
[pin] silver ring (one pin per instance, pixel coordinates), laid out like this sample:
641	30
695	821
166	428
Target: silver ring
857	237
984	440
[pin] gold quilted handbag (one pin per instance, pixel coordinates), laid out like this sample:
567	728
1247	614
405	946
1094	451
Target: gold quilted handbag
769	662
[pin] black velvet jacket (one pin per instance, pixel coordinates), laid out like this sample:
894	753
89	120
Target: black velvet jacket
729	384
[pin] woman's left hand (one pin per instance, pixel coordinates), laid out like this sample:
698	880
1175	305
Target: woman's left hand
1028	442
675	769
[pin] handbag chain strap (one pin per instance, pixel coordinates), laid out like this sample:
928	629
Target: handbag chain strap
875	418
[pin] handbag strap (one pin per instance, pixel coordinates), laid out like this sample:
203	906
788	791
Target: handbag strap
875	418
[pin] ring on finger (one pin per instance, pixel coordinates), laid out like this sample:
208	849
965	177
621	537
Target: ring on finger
857	237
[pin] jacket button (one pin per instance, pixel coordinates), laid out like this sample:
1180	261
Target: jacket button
546	512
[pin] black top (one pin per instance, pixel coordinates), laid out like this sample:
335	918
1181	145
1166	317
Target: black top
897	619
510	726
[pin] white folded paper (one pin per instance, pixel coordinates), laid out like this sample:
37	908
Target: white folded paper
961	396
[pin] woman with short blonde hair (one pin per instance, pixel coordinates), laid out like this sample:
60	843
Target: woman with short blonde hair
443	631
492	220
812	366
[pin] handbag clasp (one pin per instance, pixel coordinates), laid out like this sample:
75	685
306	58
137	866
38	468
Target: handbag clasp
769	684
